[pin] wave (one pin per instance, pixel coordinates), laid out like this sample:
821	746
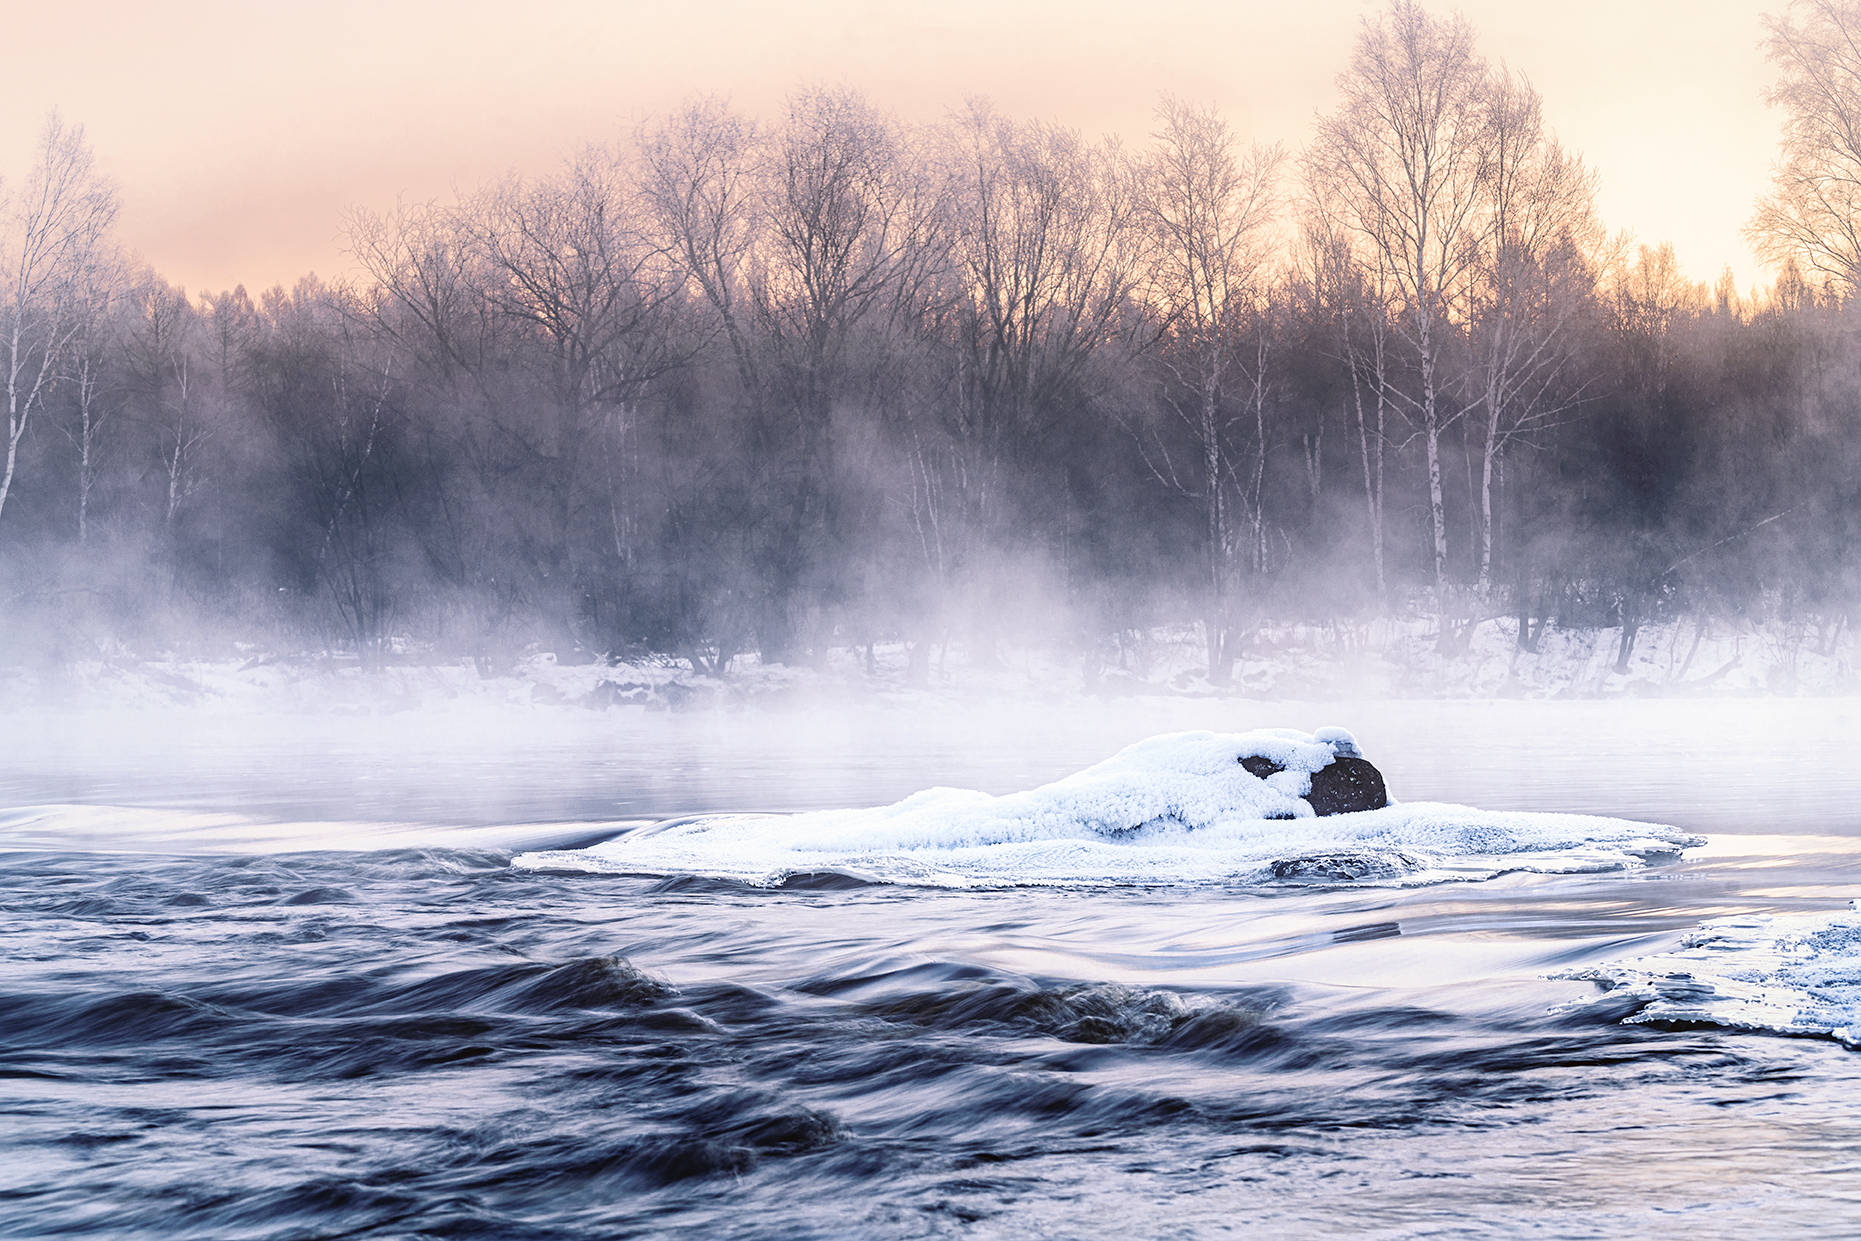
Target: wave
1174	809
1782	973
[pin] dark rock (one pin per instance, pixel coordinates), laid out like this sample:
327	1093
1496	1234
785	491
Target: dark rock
1341	867
1347	785
1093	1030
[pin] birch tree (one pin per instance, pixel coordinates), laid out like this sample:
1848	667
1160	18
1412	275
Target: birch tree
1208	208
91	373
1813	212
163	348
54	222
1405	159
1352	293
1539	256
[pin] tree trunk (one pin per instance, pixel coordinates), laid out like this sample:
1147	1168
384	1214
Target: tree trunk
1370	446
1437	507
1431	433
12	461
15	415
1215	516
84	480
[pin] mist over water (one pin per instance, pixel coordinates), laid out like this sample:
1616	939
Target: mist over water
283	981
1739	765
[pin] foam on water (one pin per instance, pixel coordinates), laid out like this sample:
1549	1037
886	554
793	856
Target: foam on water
1179	808
1787	973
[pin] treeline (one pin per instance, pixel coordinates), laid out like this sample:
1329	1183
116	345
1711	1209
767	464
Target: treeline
834	380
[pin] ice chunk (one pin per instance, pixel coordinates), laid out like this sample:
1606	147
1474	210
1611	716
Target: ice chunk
1786	973
1182	808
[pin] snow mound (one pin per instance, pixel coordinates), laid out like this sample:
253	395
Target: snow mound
1784	973
1174	809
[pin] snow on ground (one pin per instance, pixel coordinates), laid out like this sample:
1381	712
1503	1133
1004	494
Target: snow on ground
1179	808
1360	661
1788	973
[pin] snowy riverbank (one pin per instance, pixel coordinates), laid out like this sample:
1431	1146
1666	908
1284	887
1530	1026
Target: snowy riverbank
1375	660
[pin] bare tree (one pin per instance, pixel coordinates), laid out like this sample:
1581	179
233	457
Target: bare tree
1649	299
89	371
565	256
849	244
429	284
163	349
54	223
564	260
1540	253
327	392
430	301
1813	212
1353	294
697	183
850	231
1048	257
1209	209
1405	159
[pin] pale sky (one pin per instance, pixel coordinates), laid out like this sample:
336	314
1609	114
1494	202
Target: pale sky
239	131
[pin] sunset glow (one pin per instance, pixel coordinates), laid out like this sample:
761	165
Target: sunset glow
240	132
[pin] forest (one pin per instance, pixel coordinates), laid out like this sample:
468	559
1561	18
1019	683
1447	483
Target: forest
733	385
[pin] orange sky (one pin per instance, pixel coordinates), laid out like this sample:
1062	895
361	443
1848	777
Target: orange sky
239	131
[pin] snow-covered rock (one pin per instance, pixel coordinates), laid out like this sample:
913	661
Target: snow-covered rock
1180	808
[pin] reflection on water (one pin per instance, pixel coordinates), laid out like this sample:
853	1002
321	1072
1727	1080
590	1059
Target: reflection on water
418	1040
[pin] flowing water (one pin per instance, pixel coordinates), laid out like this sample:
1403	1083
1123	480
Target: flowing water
279	981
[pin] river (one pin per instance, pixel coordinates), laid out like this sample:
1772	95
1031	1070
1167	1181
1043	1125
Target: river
279	979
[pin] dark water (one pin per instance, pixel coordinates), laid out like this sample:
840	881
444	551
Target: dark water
211	1025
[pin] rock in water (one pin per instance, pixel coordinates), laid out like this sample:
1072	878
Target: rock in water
1344	867
1347	784
1191	807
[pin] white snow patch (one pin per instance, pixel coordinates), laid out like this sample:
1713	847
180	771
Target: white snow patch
1785	973
1173	809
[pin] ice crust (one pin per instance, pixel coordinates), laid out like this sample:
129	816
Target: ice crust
1785	973
1178	808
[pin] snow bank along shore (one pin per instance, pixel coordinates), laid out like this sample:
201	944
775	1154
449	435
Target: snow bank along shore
1393	658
